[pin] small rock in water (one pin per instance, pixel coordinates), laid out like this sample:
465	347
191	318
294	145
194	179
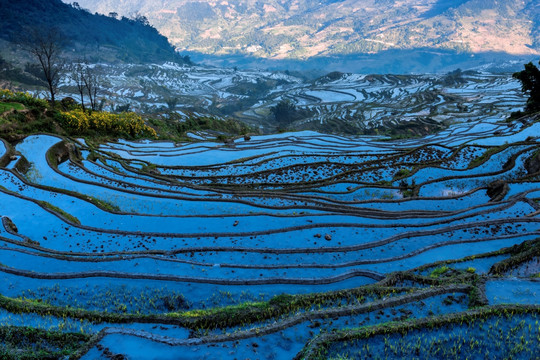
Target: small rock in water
328	237
318	236
236	223
9	224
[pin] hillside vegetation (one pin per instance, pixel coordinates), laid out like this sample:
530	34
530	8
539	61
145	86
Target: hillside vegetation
22	115
96	37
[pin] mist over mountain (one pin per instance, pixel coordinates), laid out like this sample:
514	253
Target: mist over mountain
307	29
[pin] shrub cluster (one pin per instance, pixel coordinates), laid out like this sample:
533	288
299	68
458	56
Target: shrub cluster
23	98
126	124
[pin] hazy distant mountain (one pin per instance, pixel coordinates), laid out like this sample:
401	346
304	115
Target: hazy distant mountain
300	29
96	37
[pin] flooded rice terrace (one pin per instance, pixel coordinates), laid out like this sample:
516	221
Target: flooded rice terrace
293	245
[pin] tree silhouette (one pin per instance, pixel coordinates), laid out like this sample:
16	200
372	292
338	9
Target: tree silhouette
46	46
91	85
172	103
86	82
530	84
78	75
284	112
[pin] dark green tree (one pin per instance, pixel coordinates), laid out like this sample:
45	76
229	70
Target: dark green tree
172	103
284	112
530	84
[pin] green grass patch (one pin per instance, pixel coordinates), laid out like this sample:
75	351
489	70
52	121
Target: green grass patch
522	253
105	205
57	210
402	173
6	106
436	273
325	343
485	156
222	317
30	343
149	168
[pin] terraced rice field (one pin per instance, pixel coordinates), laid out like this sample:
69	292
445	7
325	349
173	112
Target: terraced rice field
336	103
294	245
392	102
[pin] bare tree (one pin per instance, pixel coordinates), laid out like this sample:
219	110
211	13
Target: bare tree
46	47
77	75
90	82
86	83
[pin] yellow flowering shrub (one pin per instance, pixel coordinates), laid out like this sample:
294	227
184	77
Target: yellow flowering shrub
124	124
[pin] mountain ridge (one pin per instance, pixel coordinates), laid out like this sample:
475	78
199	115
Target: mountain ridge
303	29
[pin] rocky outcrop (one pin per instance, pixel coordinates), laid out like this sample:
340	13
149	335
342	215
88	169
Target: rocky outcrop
7	157
9	225
532	164
63	151
497	190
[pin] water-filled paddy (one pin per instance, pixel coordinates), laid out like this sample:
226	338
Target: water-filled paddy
274	241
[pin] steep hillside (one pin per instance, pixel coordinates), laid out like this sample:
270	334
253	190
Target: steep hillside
97	37
302	29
